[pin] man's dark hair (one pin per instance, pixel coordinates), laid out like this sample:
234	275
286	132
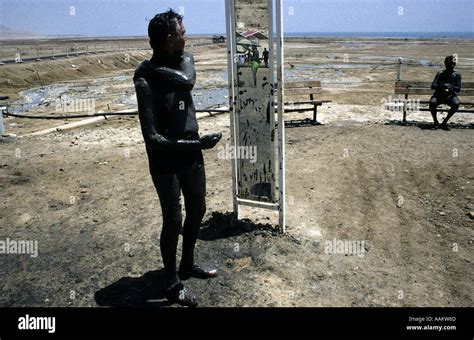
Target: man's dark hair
450	59
163	24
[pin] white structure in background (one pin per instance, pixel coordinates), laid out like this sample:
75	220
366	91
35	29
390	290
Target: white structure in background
2	128
396	104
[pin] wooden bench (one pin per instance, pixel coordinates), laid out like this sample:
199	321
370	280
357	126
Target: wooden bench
301	97
417	88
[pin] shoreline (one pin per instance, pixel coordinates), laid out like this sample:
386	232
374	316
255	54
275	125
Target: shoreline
287	35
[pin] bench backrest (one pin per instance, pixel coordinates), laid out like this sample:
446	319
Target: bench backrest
302	90
424	88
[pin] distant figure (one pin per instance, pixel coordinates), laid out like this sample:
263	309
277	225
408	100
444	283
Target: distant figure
248	56
255	56
242	59
446	84
254	62
265	56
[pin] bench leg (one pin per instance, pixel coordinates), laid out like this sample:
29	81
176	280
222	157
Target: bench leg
2	130
315	114
405	109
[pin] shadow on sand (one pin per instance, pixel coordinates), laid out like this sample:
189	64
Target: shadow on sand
300	123
135	291
428	126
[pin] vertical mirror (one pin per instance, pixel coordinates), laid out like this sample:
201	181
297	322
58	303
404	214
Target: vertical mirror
254	107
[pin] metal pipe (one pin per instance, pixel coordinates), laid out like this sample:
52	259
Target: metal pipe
230	32
281	124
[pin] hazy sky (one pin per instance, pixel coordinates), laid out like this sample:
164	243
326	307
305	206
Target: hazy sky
129	17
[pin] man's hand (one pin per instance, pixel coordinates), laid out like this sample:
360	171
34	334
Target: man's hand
446	87
449	87
209	141
162	141
205	142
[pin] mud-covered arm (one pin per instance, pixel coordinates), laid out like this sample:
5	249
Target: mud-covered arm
456	86
182	79
435	85
147	122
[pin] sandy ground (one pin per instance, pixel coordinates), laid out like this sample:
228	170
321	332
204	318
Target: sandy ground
406	191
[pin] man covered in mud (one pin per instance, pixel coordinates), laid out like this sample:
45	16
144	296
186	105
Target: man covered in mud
265	56
170	130
446	84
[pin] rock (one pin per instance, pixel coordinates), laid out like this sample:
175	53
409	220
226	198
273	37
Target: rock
442	213
83	191
471	214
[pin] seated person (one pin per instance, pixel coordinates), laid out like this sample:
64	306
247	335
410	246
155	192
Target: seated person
446	84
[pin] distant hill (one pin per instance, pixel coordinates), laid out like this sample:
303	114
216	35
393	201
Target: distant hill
8	33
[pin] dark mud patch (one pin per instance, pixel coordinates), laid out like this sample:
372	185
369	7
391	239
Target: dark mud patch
224	225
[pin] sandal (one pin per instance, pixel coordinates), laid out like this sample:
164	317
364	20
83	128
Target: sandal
196	272
177	293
